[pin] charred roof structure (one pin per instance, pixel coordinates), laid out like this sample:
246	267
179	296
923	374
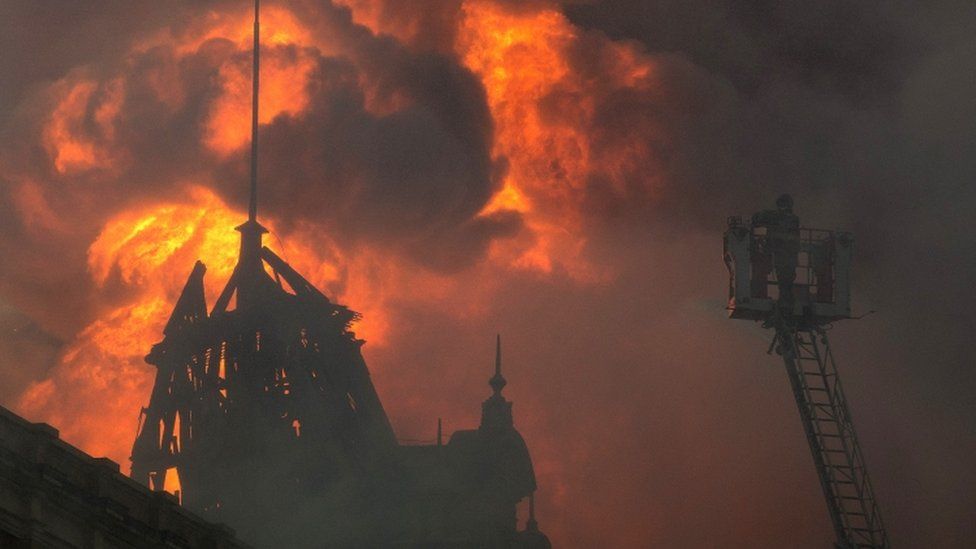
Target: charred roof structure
264	410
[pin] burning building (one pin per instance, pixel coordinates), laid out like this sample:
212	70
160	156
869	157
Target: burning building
264	414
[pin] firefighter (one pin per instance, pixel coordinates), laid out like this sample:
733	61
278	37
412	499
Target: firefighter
782	243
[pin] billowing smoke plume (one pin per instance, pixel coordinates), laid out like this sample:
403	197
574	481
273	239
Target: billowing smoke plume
557	173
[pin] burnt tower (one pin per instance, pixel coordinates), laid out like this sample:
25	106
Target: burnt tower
264	413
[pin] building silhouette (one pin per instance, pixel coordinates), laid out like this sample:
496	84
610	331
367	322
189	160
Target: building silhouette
264	410
54	495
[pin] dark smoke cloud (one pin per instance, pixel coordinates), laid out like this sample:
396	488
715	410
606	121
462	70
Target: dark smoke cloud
413	180
859	110
651	418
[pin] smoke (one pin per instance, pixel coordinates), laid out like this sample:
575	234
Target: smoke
559	174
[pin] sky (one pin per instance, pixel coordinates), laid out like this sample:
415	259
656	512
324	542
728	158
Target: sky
557	173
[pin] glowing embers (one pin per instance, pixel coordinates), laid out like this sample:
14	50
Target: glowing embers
222	372
281	385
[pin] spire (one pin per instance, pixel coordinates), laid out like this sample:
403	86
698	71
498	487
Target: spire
249	269
252	210
497	382
496	412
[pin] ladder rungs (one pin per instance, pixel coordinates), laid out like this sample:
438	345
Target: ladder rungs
823	409
846	467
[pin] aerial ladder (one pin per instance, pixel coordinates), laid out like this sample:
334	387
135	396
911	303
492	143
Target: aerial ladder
796	281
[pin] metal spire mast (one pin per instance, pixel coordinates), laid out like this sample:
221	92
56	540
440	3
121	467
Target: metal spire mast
247	275
252	211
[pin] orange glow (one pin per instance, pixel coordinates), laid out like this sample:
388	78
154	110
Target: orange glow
368	13
377	17
542	108
102	381
34	208
278	27
147	246
283	81
286	65
171	483
79	101
509	198
284	77
522	59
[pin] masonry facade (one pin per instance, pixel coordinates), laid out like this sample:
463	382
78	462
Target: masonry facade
54	495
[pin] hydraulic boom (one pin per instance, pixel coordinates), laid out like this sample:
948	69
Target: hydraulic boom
796	281
830	433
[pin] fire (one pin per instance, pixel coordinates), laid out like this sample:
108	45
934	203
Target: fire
82	102
149	247
96	391
149	251
521	59
285	71
91	396
285	74
279	26
542	108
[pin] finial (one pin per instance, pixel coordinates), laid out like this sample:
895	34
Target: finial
497	382
252	210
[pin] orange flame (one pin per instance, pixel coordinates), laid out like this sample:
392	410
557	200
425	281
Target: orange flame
541	107
101	380
283	77
80	101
